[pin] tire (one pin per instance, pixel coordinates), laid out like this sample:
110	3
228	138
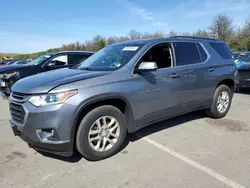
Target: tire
214	112
83	143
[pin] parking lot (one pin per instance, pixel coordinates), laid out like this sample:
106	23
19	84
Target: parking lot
188	151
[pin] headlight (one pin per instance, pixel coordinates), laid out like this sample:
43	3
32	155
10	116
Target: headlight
10	75
52	98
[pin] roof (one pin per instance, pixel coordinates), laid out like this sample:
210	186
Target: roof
73	52
175	38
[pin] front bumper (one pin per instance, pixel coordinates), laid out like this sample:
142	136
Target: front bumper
62	149
244	78
56	117
5	86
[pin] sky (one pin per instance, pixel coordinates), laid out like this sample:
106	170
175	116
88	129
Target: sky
28	26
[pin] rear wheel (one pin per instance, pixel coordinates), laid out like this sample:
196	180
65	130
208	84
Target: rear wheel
101	133
221	102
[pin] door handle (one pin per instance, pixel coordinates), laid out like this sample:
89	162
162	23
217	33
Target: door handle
174	75
211	69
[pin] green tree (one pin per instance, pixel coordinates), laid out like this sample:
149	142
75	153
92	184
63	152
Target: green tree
99	42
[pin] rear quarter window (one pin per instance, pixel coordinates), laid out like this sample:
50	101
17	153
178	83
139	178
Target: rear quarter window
186	53
222	49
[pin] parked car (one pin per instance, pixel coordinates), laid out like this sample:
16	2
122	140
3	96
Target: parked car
12	62
121	89
242	60
19	62
10	74
4	62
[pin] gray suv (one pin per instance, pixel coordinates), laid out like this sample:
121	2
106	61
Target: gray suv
120	89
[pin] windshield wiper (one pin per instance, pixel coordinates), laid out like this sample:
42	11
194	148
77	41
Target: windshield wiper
85	68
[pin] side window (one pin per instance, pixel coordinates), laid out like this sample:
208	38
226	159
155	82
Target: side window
186	53
75	59
248	58
203	54
59	61
222	49
161	54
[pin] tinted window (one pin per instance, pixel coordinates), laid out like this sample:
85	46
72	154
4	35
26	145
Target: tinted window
222	49
59	61
160	54
203	54
186	53
75	59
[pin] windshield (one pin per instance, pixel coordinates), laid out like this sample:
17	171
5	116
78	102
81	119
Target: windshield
242	56
39	60
110	58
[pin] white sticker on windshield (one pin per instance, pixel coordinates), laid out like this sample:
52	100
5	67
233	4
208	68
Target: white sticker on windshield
47	56
130	48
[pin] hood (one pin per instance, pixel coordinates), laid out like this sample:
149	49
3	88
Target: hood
9	68
242	65
44	82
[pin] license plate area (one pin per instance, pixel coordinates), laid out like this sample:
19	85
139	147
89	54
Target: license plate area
3	84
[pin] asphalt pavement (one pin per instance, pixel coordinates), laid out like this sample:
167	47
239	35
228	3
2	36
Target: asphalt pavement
187	151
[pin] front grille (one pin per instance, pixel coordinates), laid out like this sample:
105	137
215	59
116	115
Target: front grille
19	96
244	74
17	113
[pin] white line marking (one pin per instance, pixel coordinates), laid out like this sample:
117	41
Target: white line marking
212	173
47	177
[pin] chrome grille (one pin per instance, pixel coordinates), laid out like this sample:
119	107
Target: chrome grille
17	113
20	97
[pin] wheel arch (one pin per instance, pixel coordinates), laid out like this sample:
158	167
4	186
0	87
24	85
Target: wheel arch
228	82
117	100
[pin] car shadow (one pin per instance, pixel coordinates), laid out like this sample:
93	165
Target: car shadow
245	91
166	124
76	157
151	129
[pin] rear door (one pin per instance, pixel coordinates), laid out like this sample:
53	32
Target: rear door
190	58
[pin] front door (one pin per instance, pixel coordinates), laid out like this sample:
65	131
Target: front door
155	95
57	62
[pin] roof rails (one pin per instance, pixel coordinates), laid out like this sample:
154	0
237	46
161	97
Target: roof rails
193	37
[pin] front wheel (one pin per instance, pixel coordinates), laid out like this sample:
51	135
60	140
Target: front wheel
101	133
221	102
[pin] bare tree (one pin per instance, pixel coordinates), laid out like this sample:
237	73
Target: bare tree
123	38
245	32
201	33
158	34
186	34
222	28
134	35
112	40
89	46
172	33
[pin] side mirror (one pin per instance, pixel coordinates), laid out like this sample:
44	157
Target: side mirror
147	67
51	64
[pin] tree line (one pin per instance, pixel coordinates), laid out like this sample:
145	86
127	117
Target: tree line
222	27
